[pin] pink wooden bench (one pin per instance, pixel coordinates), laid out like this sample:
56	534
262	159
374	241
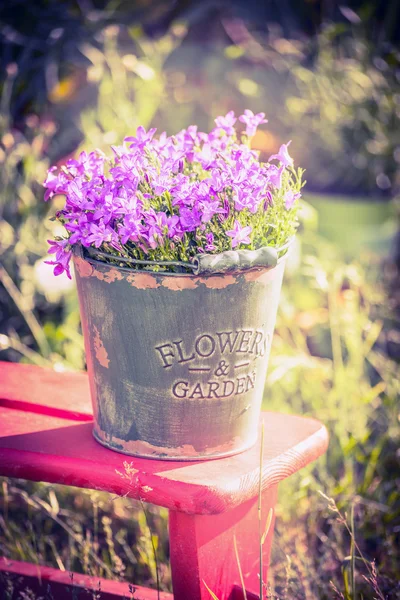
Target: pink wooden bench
45	435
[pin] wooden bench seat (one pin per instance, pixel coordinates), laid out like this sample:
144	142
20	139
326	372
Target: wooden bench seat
45	435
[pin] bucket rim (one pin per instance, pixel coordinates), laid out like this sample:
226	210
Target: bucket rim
79	251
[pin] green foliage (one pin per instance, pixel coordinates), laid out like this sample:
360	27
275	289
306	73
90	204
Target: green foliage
35	314
330	360
130	85
90	532
342	109
335	95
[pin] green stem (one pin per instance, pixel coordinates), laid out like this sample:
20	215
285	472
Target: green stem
260	532
28	315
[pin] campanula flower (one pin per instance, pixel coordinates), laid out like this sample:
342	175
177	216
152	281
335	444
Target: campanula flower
130	230
239	234
175	230
268	200
61	249
290	197
190	219
209	208
244	199
209	247
227	122
100	233
170	197
275	176
283	156
142	138
252	121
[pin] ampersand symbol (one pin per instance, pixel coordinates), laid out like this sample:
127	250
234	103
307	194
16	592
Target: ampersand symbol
222	369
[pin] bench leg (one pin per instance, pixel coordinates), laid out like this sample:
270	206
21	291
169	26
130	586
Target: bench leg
202	551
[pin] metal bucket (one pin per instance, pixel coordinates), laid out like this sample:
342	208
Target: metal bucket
177	363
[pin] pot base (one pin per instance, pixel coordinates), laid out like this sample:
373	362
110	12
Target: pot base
171	454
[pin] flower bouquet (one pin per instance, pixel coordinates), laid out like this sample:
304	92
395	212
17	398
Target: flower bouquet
179	246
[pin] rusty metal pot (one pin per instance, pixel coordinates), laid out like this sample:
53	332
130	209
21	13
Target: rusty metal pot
177	363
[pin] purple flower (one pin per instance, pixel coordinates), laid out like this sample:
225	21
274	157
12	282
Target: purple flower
275	176
60	267
182	190
154	219
207	156
99	233
76	194
190	219
128	168
244	199
61	249
79	229
239	234
186	139
209	208
227	122
209	247
202	190
290	197
92	163
161	184
252	121
227	210
156	223
217	181
157	195
55	183
283	156
131	229
58	247
142	138
239	173
175	230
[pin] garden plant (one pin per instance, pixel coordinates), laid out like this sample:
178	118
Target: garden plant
189	223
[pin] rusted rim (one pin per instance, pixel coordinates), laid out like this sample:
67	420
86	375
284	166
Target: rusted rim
174	457
90	254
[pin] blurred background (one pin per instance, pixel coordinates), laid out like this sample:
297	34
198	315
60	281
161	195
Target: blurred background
78	74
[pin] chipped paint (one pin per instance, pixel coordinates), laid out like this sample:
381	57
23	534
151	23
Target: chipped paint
100	351
109	276
83	267
142	281
185	452
218	282
265	276
178	284
260	276
146	488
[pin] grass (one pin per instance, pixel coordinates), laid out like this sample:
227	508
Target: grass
343	371
337	527
84	531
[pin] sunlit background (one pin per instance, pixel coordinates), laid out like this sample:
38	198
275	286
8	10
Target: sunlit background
81	74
